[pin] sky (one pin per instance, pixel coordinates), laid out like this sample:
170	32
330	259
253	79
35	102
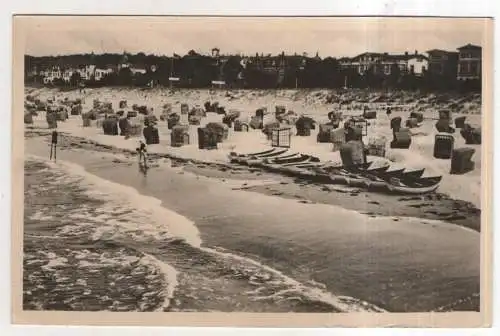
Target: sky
336	37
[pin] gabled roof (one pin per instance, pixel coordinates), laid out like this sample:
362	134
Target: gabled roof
387	57
437	51
469	46
405	57
367	54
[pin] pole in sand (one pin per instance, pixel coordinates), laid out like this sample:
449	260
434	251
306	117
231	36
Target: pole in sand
53	145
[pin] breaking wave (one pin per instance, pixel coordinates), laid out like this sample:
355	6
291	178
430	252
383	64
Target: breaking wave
137	255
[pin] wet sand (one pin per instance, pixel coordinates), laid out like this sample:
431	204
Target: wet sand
434	206
399	265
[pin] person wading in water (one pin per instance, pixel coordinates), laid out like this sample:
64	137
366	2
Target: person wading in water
142	155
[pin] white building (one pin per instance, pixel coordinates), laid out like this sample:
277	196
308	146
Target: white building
418	64
384	63
99	74
87	72
66	75
137	70
50	74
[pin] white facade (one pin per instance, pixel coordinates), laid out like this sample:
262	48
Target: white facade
87	72
50	74
418	65
136	71
99	74
67	74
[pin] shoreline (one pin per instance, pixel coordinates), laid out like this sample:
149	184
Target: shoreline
435	206
186	266
341	247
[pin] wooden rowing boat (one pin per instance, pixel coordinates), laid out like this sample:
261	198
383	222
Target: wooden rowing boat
308	167
243	159
259	161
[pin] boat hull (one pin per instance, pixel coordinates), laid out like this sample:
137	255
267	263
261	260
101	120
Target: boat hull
307	167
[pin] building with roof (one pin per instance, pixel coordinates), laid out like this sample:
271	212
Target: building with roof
67	73
469	62
50	74
442	62
99	74
87	72
386	64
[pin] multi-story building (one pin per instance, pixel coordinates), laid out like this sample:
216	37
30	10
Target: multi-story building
363	62
67	73
417	64
385	64
469	62
442	62
50	74
87	72
99	74
345	63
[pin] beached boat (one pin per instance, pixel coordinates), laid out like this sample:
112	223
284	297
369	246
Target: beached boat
415	174
259	161
419	186
287	165
292	159
243	158
310	168
379	169
396	181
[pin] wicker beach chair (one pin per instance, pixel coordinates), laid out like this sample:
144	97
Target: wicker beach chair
443	146
461	160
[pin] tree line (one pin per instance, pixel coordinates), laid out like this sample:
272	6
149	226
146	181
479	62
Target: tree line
198	71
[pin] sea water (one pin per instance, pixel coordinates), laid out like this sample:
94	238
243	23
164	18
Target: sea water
220	249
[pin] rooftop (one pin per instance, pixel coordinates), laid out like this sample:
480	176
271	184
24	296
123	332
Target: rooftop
387	56
469	46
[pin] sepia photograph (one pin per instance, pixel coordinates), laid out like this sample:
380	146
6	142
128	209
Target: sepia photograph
288	171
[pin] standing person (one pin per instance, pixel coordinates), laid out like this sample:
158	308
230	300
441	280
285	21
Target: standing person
142	153
53	145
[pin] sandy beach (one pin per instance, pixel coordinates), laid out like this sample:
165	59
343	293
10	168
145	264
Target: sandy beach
465	187
229	238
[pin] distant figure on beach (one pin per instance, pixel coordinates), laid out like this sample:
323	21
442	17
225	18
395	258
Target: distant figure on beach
142	154
53	145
